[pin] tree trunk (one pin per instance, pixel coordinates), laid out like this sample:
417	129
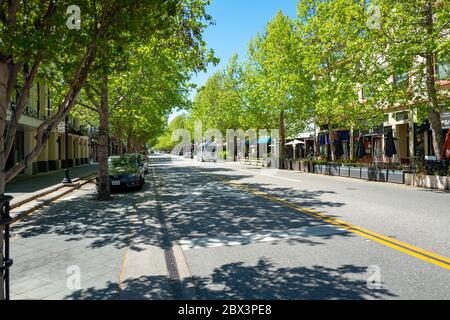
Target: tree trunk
332	146
282	138
433	109
103	176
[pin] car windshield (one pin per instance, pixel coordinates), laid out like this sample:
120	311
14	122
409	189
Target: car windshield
122	162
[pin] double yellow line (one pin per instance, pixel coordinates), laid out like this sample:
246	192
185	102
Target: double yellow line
419	253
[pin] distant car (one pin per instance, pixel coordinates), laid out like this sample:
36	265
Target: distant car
125	173
208	151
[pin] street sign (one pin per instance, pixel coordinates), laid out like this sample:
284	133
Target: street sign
61	127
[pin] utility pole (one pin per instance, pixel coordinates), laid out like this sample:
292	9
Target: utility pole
66	179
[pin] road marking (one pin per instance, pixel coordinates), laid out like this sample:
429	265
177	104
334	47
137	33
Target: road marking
122	272
411	250
267	236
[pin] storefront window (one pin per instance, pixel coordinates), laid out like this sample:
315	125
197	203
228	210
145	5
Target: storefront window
402	81
443	71
402	116
419	142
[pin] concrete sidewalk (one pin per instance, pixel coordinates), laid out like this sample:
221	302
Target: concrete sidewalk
22	186
80	249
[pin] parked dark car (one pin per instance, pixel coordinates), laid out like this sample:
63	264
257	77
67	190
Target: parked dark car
142	160
125	173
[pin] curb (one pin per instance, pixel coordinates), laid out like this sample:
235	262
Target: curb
72	187
53	189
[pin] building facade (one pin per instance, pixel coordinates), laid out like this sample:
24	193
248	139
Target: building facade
413	139
53	157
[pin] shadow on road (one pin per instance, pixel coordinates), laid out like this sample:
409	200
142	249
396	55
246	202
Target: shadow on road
263	281
197	206
200	205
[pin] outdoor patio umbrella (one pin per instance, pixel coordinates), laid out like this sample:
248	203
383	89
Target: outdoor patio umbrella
294	145
360	150
389	148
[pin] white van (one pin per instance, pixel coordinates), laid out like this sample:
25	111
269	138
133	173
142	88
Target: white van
208	151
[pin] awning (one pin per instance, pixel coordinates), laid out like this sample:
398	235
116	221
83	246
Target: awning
265	140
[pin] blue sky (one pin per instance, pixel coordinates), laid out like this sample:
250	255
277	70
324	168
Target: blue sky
236	22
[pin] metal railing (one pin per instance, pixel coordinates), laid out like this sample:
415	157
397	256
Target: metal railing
5	265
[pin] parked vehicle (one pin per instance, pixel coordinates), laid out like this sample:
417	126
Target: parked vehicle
141	159
207	151
125	173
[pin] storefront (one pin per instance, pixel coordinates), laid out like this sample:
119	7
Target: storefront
18	150
339	139
423	137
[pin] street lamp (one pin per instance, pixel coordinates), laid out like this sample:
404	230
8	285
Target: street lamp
66	179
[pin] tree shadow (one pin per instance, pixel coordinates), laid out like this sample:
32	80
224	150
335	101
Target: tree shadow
207	207
263	281
193	205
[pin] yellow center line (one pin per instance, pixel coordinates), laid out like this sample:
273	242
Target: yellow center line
122	273
419	253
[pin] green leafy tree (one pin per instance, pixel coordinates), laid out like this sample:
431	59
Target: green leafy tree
178	31
165	141
277	88
407	46
332	34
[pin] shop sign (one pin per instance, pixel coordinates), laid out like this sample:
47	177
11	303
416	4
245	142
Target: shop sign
61	127
446	120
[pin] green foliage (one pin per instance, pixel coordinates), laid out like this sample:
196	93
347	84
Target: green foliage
224	155
164	141
149	70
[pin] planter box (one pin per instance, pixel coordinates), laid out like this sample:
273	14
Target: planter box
382	175
316	168
287	164
334	171
366	173
431	182
409	179
396	176
355	173
323	169
296	166
344	172
308	167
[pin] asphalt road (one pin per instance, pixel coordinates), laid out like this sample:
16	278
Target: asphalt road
235	232
242	243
